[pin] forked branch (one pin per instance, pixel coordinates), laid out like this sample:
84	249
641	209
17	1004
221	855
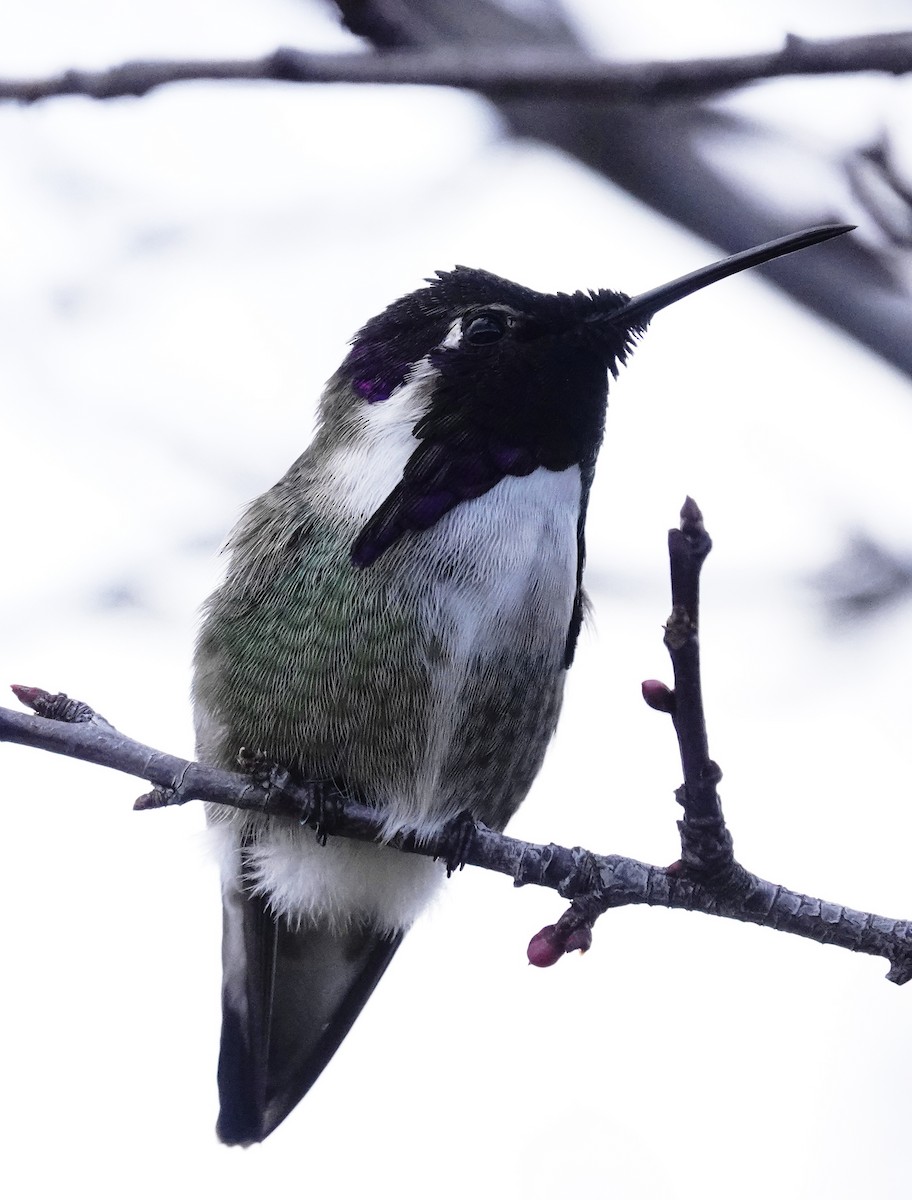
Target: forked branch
707	878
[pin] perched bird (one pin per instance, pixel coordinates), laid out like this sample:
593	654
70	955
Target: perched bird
398	616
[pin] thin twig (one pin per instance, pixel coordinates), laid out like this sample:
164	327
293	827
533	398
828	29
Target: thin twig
525	71
707	851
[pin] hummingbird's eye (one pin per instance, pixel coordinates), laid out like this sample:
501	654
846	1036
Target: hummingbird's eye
484	328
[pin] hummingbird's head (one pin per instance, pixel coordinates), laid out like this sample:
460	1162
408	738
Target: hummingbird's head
493	379
524	374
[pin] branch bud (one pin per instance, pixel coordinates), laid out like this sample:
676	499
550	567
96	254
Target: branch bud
658	695
546	947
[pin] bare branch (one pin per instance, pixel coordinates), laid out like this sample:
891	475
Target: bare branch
707	851
594	882
521	72
707	879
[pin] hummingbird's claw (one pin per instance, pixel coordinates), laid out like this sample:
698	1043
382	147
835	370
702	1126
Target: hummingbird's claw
328	811
262	771
456	837
327	807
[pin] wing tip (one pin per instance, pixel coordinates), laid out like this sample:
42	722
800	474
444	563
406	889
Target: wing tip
247	1129
243	1122
229	1135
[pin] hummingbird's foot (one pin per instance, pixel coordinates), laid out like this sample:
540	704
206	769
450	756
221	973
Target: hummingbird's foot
328	811
322	805
272	783
262	771
455	840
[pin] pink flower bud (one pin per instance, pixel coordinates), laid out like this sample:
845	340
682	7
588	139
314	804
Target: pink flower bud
658	695
546	947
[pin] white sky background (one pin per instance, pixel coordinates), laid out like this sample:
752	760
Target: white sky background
179	276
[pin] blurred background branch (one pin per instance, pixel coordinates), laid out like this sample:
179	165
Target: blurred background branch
527	71
658	154
540	74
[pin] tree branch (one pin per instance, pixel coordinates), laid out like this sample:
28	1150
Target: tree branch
707	879
521	72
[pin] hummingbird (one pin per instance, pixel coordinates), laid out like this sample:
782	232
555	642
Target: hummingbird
398	616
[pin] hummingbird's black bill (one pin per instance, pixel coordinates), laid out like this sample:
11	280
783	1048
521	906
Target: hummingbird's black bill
642	307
